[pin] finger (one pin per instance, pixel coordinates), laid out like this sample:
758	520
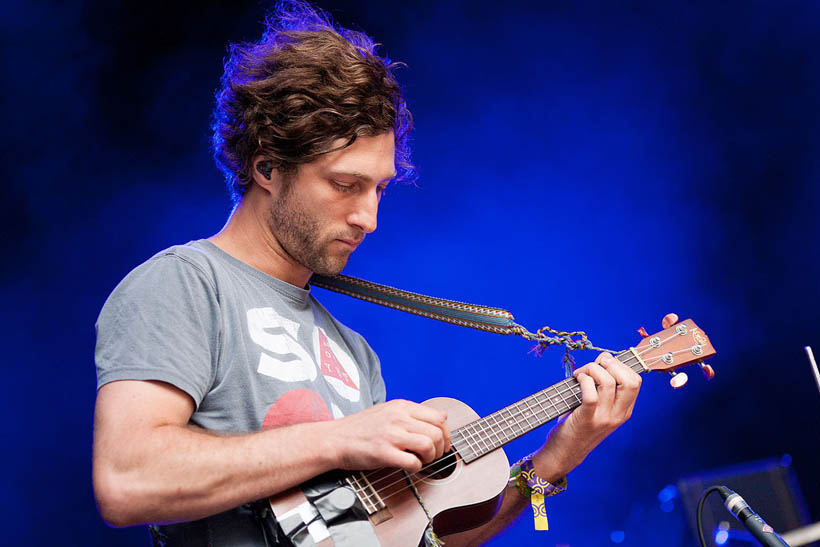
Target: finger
669	319
434	433
420	445
435	417
605	386
623	374
404	460
628	382
601	356
589	394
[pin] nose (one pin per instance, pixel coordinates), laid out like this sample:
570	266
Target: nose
365	212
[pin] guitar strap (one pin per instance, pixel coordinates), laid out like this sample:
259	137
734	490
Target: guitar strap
483	318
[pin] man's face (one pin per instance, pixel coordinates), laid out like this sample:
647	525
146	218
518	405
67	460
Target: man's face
325	209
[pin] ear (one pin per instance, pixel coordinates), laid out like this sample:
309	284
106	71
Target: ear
264	168
264	175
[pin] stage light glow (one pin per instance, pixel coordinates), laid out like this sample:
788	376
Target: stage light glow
721	537
668	493
617	536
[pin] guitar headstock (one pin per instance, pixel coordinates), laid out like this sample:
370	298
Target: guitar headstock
681	344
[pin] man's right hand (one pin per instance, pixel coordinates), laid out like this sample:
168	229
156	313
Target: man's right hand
397	433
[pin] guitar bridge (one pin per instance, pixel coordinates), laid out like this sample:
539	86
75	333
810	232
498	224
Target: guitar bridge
371	500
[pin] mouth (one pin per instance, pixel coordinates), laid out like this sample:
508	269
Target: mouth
351	243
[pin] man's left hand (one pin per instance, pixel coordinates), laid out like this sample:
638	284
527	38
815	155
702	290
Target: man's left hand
608	393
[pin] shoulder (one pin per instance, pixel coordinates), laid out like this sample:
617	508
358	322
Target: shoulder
182	275
191	261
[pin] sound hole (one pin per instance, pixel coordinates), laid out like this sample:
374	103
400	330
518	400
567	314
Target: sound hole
440	468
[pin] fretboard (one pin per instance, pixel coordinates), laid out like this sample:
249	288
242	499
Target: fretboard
497	429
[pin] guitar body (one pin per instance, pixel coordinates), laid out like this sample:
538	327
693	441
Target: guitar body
461	497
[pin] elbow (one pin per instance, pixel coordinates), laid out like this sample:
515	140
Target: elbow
114	502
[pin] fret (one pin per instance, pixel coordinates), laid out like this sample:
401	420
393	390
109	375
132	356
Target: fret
528	413
509	420
485	437
499	441
466	436
563	388
476	437
551	400
509	432
523	422
576	392
462	450
563	399
512	420
541	407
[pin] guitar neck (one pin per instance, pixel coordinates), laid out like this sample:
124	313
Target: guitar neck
511	422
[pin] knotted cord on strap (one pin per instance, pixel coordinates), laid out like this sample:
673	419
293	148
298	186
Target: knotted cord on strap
560	338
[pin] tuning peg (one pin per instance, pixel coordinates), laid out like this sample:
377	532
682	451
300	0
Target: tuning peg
643	333
708	371
678	380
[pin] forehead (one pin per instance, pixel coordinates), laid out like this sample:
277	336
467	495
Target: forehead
372	157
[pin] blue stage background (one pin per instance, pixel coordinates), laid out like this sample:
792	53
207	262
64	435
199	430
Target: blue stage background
587	165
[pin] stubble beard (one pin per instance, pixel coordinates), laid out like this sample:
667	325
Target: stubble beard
300	236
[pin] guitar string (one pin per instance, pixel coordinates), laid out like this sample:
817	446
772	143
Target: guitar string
561	388
418	478
574	388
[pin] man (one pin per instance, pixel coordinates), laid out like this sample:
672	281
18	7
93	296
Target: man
219	374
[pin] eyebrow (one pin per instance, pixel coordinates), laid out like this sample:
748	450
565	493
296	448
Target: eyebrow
363	176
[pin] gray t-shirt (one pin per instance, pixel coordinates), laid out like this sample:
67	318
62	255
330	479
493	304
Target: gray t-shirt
252	351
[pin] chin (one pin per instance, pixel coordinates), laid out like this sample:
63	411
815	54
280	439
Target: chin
330	268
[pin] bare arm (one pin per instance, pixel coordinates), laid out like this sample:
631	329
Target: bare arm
151	466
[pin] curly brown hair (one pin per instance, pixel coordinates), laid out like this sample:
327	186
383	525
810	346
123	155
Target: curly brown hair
306	83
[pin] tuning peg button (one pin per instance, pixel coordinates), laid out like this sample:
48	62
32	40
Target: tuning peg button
678	380
708	371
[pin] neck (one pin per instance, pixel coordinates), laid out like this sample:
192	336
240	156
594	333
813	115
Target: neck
247	237
497	429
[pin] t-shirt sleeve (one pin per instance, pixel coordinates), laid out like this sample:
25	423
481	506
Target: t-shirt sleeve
374	370
377	387
161	323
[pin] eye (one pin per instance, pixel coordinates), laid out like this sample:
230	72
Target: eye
342	186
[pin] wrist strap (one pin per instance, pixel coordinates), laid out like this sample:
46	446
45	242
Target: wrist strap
531	486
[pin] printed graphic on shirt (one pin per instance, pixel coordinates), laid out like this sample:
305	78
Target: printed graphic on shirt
282	357
337	367
286	360
297	407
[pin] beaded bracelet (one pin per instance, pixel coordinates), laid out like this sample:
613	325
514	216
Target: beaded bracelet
531	486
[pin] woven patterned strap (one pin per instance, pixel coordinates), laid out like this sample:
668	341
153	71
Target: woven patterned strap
458	313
